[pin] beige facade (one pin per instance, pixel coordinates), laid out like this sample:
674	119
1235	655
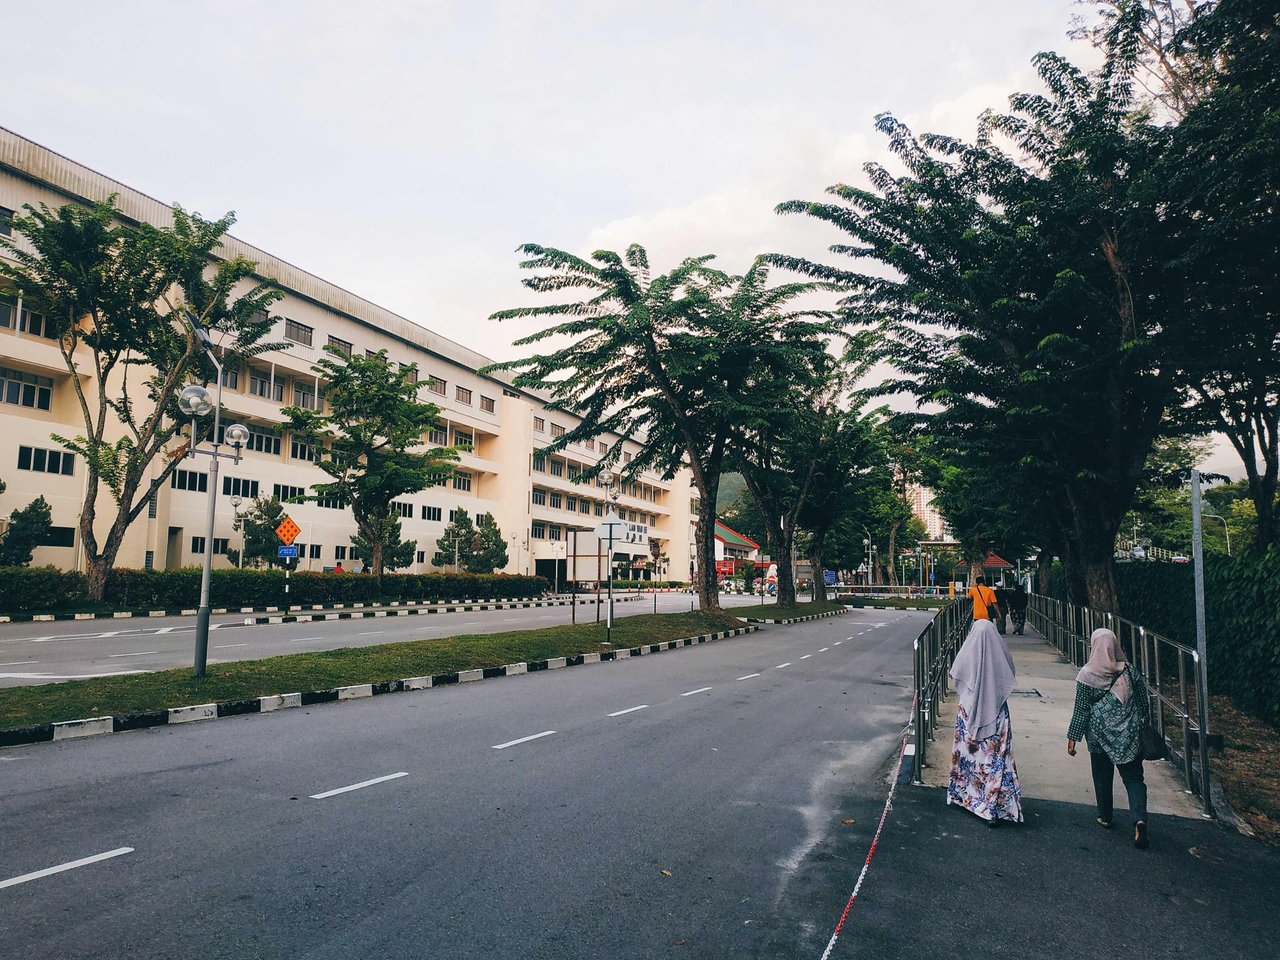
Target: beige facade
546	514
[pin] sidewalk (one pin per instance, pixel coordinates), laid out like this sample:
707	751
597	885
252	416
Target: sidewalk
1056	887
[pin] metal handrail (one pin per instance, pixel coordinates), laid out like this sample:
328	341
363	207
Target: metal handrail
1182	707
935	649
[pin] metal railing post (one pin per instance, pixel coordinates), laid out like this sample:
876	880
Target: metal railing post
1186	720
1202	721
917	762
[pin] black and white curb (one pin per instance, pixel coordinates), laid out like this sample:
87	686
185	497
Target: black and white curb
504	603
416	611
95	726
812	616
861	606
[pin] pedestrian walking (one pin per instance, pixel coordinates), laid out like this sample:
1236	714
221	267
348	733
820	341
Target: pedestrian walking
1110	710
985	605
984	778
1017	600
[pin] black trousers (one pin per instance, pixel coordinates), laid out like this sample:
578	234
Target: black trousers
1104	779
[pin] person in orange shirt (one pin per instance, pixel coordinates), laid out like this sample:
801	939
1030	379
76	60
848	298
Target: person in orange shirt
984	600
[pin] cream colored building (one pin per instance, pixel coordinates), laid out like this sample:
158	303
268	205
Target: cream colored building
545	513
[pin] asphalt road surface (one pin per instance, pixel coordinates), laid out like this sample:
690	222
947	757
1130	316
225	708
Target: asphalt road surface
50	652
653	807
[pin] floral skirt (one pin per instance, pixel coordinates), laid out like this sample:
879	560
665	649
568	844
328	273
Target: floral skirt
984	779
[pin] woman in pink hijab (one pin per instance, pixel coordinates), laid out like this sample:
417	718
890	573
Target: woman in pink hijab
984	779
1111	707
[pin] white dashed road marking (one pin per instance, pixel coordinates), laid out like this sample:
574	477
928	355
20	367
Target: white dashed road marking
223	646
749	676
618	713
806	656
781	665
303	639
371	633
49	871
358	786
513	743
143	653
692	692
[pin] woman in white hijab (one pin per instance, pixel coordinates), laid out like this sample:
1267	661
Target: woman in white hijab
1111	707
984	779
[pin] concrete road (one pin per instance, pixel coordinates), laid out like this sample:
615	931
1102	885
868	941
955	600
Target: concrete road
653	807
32	653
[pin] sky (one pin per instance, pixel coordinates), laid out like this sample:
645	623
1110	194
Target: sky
403	150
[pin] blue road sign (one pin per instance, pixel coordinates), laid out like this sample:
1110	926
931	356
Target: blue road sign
933	576
829	577
287	551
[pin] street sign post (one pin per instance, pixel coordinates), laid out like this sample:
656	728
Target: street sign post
288	531
610	527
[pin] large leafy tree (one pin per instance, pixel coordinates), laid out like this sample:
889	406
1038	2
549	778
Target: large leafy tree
1038	294
458	544
491	547
115	296
369	441
397	552
671	362
257	527
28	528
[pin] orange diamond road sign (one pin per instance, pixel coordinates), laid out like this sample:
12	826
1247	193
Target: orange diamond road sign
288	530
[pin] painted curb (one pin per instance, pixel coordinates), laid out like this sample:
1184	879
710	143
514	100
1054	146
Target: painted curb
815	616
396	607
95	726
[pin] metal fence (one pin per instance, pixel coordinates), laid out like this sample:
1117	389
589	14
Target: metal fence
935	649
1174	673
883	590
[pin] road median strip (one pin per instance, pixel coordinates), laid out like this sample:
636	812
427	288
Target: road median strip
129	693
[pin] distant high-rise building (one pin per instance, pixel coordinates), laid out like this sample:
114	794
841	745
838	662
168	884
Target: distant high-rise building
921	500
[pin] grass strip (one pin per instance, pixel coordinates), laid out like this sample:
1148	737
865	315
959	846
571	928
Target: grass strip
898	603
324	670
802	609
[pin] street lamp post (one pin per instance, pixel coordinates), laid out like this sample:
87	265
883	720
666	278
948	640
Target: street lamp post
236	500
611	495
1225	529
195	402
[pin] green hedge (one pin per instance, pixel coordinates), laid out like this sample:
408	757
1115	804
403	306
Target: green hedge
45	589
636	584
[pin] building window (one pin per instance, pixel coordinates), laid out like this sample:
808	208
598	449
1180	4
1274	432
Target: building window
538	530
422	556
557	468
431	513
377	355
437	436
6	222
197	544
304	395
283	491
539	425
345	348
40	460
151	507
539	463
261	385
231	378
585	506
486	404
556	500
314	549
539	497
149	560
301	450
8	308
238	486
599	508
626	458
189	480
264	440
298	332
571	503
36	324
339	553
573	471
453	515
436	385
403	509
461	439
330	503
603	447
553	531
557	430
410	371
462	480
25	389
220	545
462	395
441	481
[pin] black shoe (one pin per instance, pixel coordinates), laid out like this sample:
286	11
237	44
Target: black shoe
1140	839
1104	824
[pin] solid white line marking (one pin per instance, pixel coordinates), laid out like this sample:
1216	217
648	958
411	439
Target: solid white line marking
512	743
781	665
806	656
301	639
68	676
49	871
223	646
371	633
358	786
144	653
692	692
109	633
749	676
618	713
166	630
25	663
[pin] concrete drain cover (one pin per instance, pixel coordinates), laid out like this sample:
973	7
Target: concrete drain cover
1025	693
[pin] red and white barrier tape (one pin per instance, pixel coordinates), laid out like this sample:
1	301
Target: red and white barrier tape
875	841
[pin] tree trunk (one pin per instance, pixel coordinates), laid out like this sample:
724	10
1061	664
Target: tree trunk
815	563
1044	571
786	567
95	572
893	553
705	580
